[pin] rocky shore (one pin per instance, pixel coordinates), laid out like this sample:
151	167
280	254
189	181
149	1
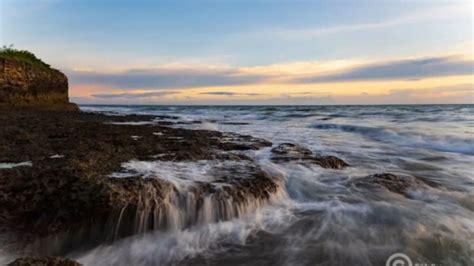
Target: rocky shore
56	168
64	181
72	180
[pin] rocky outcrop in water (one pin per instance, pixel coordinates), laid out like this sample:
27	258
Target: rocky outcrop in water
27	85
289	152
56	189
394	183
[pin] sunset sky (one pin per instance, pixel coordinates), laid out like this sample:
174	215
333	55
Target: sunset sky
251	52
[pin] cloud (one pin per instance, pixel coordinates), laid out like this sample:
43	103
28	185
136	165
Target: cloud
164	78
316	32
438	13
452	94
307	93
187	77
229	93
456	93
399	69
132	95
454	90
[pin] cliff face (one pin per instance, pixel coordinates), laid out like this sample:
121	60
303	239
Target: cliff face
24	85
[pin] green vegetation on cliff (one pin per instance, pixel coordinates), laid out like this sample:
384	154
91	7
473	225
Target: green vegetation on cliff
8	52
28	82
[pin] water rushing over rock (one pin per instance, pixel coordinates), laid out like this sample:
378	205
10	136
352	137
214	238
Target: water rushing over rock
335	215
165	179
197	193
174	196
159	195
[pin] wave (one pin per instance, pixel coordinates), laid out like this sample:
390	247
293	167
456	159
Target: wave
299	115
444	143
206	125
169	248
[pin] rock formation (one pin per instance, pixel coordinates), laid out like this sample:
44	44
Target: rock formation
66	191
27	85
394	183
289	152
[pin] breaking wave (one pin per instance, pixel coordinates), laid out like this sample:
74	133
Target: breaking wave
438	143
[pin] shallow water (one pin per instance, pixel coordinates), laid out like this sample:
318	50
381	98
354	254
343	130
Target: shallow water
12	165
321	220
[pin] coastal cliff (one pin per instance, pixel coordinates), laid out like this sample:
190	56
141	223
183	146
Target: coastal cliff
26	84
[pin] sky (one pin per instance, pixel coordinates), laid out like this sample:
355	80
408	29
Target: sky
251	52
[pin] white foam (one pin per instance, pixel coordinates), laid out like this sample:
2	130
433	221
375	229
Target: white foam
341	221
180	174
209	126
175	138
57	156
167	248
139	123
160	155
12	165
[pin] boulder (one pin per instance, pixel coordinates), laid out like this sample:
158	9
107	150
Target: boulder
394	183
289	152
231	141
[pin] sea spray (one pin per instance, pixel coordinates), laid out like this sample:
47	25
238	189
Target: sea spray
419	140
213	192
328	222
169	248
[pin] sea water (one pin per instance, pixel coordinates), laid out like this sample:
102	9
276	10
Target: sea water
322	220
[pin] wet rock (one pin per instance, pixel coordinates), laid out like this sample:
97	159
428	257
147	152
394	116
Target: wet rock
329	162
232	141
193	122
176	122
73	198
234	123
325	118
170	117
139	204
43	261
289	152
245	181
126	118
394	183
165	123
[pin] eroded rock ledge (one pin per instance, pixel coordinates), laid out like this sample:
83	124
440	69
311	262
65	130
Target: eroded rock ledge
289	152
57	183
399	184
73	180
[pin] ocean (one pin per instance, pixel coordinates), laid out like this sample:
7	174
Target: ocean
320	220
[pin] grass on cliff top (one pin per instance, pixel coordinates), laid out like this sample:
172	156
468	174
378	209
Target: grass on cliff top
8	52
